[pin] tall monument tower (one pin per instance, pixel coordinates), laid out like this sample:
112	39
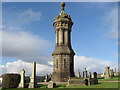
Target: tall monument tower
63	54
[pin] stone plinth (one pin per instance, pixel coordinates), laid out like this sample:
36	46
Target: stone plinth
75	82
51	84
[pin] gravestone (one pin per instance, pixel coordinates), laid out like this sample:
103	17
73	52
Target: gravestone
111	73
51	84
33	83
103	74
90	76
94	76
85	74
115	72
78	73
107	75
22	79
46	78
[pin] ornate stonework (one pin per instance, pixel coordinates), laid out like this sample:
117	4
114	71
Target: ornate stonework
63	54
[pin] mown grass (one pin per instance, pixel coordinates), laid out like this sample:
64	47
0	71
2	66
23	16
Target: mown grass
61	86
116	78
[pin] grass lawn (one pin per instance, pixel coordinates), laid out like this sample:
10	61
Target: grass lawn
112	79
62	86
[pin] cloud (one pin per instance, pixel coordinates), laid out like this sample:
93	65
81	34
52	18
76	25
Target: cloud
28	15
110	20
20	18
16	66
92	64
25	46
17	42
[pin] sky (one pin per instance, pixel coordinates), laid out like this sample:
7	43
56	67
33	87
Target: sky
28	35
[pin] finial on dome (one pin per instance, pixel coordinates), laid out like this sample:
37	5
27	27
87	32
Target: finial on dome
62	4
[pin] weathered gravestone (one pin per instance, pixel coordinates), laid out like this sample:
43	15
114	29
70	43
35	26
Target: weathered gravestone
111	73
107	75
115	72
78	73
51	84
94	76
84	74
22	79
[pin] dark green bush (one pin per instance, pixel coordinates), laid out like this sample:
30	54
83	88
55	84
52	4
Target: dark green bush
10	80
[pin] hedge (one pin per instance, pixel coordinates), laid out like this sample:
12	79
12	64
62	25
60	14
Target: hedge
10	80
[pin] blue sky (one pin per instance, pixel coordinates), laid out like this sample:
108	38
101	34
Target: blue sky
94	32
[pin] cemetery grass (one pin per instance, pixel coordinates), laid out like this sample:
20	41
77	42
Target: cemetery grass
112	79
61	86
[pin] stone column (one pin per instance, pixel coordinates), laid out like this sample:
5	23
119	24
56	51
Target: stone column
61	37
22	79
56	33
107	76
33	83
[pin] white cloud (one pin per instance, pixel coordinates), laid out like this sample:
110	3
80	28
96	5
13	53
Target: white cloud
25	46
20	18
110	20
92	64
15	67
28	15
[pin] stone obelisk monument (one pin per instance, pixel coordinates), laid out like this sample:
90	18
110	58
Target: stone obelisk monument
63	54
33	83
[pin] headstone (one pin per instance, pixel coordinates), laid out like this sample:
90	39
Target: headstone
115	72
78	73
51	84
94	76
33	83
47	78
85	73
90	75
22	79
107	76
111	73
50	76
103	74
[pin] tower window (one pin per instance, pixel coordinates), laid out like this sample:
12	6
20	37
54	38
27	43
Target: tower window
56	63
64	63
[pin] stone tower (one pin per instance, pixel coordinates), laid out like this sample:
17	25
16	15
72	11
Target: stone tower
63	54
